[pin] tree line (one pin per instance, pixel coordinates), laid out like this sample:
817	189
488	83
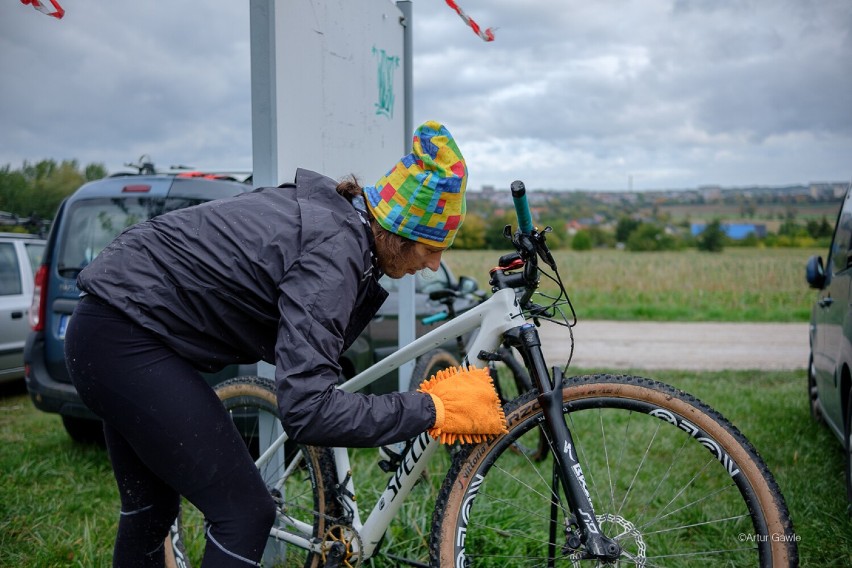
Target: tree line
32	193
628	229
30	196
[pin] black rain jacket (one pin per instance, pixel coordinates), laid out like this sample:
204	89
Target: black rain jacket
284	275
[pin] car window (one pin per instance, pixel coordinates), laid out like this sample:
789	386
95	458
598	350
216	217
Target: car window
428	281
842	237
425	281
36	252
10	280
91	224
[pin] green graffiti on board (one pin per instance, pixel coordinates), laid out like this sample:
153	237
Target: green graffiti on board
386	66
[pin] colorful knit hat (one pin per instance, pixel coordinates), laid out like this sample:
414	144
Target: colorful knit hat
422	197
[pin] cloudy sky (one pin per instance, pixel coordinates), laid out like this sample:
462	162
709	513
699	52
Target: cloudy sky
571	95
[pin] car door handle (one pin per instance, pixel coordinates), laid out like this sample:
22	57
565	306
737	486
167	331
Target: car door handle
17	315
825	302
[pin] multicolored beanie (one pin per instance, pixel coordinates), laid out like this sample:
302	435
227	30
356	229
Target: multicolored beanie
422	197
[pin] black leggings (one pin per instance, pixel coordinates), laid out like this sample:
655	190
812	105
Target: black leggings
167	435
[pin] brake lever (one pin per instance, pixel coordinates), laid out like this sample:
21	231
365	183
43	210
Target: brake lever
541	248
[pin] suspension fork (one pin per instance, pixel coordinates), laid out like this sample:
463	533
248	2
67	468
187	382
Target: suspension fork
567	464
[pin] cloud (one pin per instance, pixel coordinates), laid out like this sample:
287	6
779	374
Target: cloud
673	93
112	81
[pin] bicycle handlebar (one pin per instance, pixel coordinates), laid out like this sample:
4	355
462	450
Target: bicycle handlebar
522	208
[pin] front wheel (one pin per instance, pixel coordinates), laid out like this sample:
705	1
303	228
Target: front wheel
672	481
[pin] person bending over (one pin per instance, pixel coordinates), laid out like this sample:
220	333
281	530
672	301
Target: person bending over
288	275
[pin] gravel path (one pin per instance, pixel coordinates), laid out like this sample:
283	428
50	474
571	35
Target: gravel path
682	346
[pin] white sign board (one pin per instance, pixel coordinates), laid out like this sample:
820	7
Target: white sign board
329	94
338	67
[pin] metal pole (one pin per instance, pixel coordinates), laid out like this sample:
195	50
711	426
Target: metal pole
264	115
264	138
407	317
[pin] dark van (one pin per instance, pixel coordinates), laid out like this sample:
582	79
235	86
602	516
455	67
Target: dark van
85	223
830	365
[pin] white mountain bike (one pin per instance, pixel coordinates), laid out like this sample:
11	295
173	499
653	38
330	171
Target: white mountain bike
637	472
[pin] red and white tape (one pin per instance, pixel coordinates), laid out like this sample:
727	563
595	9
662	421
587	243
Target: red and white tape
486	35
49	7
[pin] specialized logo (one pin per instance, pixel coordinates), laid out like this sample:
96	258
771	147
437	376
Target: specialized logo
411	458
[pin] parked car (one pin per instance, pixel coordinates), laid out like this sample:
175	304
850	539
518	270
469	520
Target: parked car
20	255
89	219
830	365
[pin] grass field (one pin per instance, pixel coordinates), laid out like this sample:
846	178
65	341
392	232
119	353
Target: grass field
751	284
58	503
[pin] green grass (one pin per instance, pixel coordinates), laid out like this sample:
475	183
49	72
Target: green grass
737	285
58	502
59	506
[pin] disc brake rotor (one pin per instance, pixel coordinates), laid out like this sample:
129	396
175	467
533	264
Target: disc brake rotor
629	538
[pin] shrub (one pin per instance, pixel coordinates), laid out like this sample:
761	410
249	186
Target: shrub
582	241
650	237
712	238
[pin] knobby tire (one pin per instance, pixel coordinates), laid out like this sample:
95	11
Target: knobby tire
672	481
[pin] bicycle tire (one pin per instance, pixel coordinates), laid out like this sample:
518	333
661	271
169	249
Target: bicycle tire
430	363
673	482
304	493
511	380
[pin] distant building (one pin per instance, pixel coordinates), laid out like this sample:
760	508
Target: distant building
736	231
710	193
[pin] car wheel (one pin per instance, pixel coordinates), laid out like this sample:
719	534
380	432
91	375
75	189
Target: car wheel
813	394
83	430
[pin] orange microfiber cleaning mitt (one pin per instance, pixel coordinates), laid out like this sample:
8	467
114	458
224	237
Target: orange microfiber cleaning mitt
467	408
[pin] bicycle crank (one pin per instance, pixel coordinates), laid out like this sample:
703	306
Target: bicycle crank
341	548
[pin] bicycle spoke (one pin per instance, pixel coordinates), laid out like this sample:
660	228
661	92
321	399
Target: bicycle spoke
662	488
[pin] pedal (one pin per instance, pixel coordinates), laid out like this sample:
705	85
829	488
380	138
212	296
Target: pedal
336	555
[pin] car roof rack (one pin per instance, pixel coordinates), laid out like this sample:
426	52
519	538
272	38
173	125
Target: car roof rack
145	166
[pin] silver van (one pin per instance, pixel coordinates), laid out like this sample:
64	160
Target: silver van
20	256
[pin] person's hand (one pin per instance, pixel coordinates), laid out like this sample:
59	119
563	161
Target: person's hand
467	407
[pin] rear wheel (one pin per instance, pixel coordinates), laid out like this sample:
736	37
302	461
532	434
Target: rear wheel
511	379
429	364
672	482
298	477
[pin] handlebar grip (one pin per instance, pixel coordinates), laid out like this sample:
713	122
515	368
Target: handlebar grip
434	318
522	208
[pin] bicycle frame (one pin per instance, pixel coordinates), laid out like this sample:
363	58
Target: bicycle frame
494	317
500	321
